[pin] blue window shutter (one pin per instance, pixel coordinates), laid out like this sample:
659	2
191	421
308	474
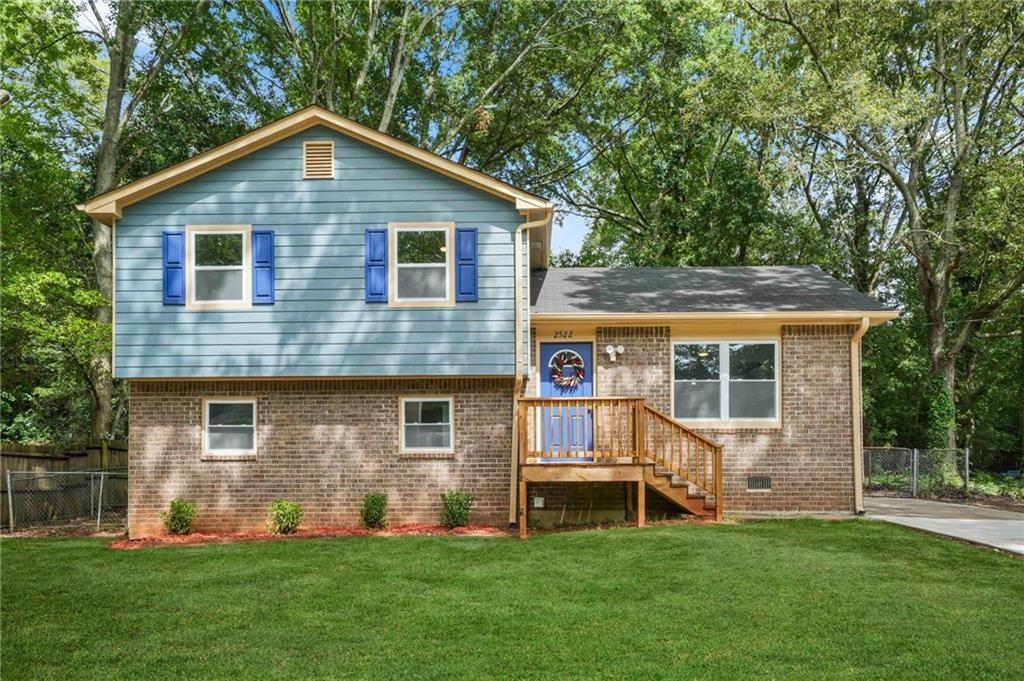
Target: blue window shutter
376	266
466	264
174	268
263	268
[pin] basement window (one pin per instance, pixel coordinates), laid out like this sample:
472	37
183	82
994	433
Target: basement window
229	427
426	425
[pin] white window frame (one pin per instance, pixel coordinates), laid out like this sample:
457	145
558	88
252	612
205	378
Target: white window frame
725	419
450	449
191	231
228	453
396	228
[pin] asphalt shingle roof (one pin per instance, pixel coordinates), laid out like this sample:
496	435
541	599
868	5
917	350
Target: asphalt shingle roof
668	290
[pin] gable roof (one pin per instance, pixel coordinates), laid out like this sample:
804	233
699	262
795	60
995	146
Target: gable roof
107	207
791	291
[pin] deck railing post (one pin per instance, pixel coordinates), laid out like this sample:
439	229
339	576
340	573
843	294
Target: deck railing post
637	431
524	434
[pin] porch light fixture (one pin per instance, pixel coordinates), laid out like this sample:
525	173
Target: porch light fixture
613	351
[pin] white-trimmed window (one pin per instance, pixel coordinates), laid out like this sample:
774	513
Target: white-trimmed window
220	266
421	260
229	426
725	381
427	424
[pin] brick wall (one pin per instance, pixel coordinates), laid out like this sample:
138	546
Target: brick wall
323	443
642	368
810	458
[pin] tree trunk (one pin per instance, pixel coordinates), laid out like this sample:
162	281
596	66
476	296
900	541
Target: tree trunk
948	373
935	289
120	52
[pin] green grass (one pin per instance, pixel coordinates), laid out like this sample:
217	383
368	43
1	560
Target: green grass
778	599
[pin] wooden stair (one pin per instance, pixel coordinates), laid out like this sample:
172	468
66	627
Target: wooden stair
681	465
679	491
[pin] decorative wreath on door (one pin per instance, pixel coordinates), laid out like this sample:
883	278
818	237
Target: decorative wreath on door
566	380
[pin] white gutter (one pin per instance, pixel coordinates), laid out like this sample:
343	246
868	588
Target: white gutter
856	409
544	221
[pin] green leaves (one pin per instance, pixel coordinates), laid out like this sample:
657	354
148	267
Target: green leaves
941	414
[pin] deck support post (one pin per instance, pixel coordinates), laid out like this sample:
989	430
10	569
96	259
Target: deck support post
641	504
629	502
522	508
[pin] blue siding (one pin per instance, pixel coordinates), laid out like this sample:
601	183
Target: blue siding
319	324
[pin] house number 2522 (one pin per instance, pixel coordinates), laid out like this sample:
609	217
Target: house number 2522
563	334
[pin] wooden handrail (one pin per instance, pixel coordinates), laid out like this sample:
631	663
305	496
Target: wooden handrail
565	400
709	441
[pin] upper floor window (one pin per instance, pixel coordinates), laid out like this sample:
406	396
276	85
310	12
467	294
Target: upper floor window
725	380
220	266
422	264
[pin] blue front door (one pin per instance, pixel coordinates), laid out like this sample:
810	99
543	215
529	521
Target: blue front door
567	370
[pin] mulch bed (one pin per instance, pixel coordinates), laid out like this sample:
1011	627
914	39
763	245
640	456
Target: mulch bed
312	533
1002	501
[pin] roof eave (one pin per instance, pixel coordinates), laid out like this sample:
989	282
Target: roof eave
108	206
876	317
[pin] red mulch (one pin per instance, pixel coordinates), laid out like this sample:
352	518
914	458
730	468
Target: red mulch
419	529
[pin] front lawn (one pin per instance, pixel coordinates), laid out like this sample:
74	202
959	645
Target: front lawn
779	599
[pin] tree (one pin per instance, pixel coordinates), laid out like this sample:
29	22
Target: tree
499	86
928	94
48	292
132	82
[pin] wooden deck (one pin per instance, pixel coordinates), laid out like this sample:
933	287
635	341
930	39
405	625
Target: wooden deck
617	440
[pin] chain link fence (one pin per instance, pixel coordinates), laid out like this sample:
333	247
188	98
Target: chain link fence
40	498
898	471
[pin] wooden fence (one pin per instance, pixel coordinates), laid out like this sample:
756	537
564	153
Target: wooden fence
16	457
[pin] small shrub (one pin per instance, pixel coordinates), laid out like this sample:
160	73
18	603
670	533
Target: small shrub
283	517
180	518
455	508
374	513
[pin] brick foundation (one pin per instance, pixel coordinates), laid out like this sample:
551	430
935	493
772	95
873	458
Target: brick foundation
323	443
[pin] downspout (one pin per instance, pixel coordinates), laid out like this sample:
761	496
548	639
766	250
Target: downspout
857	407
519	375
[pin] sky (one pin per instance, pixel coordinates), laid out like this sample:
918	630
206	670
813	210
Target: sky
568	235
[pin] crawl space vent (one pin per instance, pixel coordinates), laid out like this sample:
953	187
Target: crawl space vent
759	483
318	160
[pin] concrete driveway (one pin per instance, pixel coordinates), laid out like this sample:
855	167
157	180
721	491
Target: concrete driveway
979	525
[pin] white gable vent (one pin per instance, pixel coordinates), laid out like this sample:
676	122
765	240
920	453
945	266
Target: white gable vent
318	160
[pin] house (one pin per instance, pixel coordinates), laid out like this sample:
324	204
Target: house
316	310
